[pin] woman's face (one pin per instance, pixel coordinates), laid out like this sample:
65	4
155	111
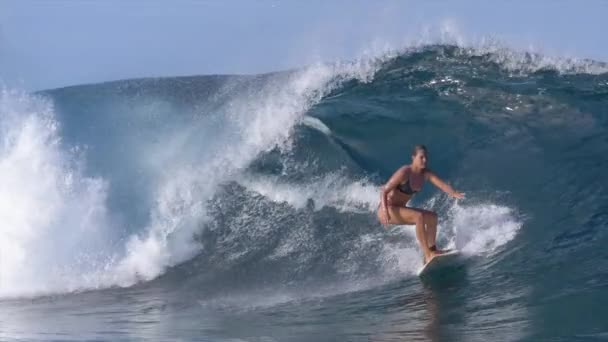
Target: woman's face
419	159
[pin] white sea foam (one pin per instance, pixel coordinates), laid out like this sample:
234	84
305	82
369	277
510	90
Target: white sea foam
333	190
478	229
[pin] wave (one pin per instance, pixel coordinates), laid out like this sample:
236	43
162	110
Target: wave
224	180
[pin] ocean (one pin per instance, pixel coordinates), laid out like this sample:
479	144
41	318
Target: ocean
242	207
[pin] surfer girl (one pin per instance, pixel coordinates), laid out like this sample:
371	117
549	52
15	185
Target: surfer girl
400	188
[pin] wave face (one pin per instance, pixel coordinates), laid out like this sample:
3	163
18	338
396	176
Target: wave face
262	189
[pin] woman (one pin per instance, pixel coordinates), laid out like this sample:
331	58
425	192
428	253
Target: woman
400	188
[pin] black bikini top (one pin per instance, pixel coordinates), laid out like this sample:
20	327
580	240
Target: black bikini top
406	188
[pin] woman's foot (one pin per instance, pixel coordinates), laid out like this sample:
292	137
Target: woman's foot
433	248
428	257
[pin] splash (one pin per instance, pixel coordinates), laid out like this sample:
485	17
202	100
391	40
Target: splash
56	224
259	122
484	228
54	219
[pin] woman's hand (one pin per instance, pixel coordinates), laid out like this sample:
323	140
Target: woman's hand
386	215
457	194
397	178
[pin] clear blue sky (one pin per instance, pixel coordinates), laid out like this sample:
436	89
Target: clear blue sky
52	43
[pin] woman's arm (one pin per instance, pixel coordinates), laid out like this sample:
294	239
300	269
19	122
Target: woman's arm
397	178
443	185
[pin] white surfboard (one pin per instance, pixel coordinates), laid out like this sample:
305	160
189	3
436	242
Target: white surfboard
441	261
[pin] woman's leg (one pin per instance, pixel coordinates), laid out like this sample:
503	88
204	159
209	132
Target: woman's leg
430	221
402	215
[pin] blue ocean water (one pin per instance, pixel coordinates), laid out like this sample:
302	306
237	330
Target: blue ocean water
228	208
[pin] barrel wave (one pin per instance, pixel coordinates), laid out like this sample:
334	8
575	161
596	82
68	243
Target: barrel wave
250	200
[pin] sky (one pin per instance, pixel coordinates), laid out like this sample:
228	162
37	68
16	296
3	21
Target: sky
55	43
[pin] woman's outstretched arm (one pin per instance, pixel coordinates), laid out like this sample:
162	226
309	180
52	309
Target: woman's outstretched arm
438	182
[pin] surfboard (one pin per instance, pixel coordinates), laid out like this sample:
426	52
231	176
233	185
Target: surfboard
440	262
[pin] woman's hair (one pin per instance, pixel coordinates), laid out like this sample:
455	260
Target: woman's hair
418	148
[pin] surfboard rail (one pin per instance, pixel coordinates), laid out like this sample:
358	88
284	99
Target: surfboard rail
440	261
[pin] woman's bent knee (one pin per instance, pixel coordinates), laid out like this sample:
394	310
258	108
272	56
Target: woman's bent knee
419	217
430	216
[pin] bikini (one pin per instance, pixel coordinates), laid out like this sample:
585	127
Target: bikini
406	188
